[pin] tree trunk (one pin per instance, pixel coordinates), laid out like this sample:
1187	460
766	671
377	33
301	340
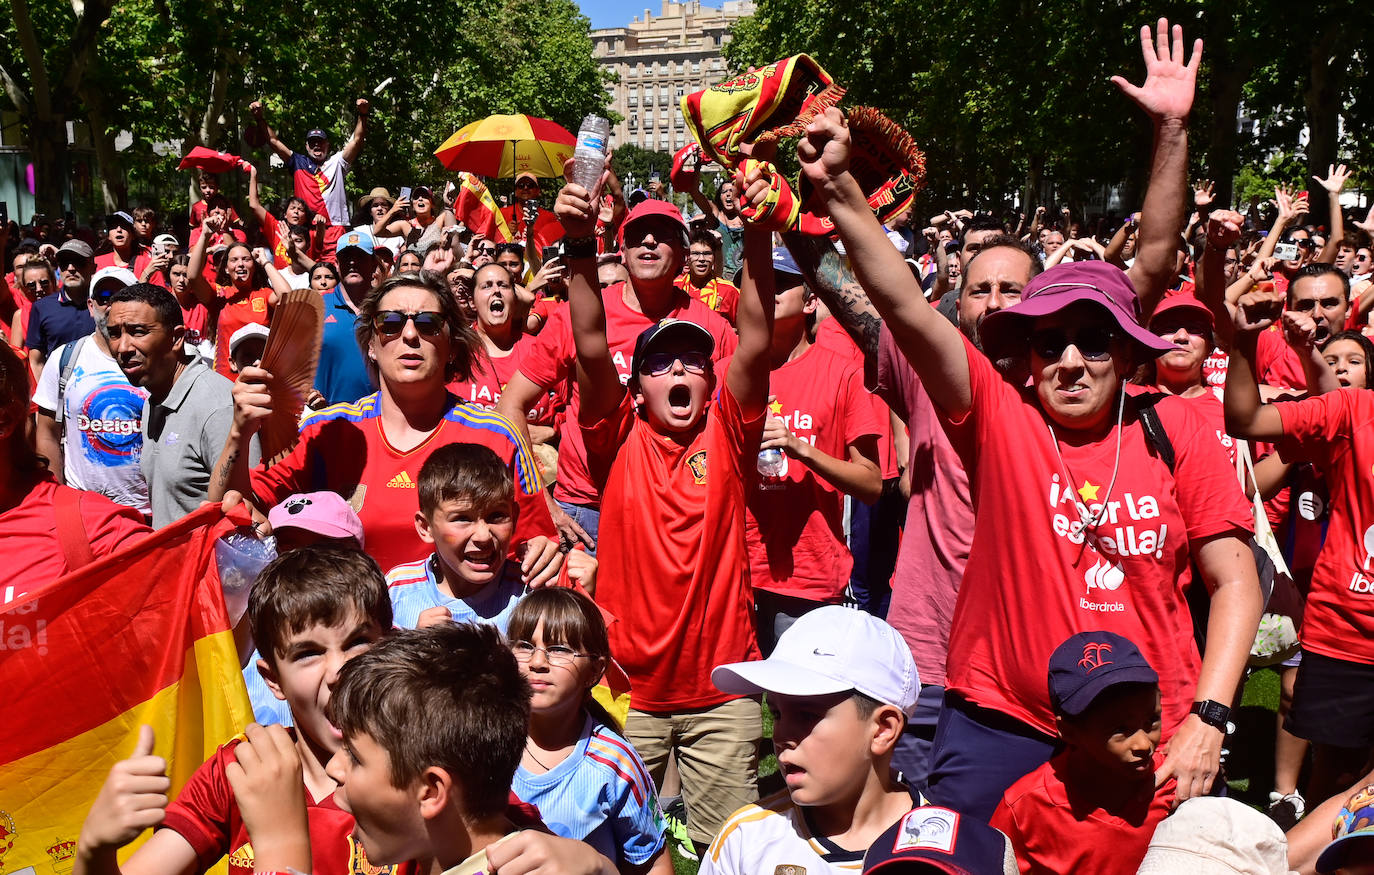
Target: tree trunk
47	140
1328	63
113	189
1222	138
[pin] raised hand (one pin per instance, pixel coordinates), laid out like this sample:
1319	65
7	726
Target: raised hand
1223	228
1367	225
363	107
1300	331
824	148
1256	311
270	793
133	798
1336	175
1170	82
256	109
576	207
252	399
1202	194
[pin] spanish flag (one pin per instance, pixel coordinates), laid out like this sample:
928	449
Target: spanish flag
140	636
477	209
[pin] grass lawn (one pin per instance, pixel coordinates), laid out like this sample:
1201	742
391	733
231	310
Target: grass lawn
1249	768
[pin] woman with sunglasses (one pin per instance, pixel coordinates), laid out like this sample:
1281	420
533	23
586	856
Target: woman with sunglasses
35	279
500	327
1080	522
414	341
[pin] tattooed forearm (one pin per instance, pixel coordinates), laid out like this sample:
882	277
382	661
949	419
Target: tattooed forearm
827	273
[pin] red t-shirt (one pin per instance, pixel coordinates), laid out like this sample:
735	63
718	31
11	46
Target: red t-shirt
717	295
674	569
830	334
29	539
1033	579
198	214
1277	364
795	534
1332	432
206	814
1056	828
140	261
547	229
237	309
343	449
550	364
1214	368
491	374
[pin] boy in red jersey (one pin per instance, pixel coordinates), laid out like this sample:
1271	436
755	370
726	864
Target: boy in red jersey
673	476
311	611
1094	806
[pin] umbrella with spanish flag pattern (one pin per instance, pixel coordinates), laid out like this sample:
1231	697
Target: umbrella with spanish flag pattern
504	145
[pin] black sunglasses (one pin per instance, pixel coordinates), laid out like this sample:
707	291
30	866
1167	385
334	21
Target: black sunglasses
103	294
659	363
390	323
1093	343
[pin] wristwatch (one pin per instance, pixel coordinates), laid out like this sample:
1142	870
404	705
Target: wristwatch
1214	714
579	247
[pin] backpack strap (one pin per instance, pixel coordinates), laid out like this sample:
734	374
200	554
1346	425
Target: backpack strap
70	353
71	528
1155	434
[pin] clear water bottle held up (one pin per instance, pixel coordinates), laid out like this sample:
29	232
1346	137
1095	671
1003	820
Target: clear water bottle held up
589	158
772	468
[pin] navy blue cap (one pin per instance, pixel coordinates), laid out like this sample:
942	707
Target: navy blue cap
935	839
1089	662
316	134
783	261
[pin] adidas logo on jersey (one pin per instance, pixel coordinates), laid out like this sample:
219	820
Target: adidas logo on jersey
401	481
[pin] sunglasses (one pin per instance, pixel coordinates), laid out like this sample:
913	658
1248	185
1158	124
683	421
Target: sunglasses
1094	344
103	295
656	364
486	250
526	183
39	284
389	323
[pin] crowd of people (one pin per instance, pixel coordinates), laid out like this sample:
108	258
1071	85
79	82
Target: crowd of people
993	517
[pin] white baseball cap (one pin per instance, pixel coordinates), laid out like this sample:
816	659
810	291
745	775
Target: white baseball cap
121	275
830	650
252	329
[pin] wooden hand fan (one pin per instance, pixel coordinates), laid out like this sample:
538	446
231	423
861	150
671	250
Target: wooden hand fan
291	356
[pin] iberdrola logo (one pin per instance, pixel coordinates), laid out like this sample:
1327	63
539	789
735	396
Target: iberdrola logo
1104	575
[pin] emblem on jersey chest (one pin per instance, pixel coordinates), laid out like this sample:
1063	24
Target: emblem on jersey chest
697	463
788	869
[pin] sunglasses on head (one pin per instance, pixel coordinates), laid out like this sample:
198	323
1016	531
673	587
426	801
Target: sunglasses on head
390	323
656	364
1094	343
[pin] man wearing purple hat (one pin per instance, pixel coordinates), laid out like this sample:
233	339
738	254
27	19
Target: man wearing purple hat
1083	519
319	177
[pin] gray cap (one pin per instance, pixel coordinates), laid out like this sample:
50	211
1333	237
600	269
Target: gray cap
76	247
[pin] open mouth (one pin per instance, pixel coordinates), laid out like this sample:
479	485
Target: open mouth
496	305
483	561
679	398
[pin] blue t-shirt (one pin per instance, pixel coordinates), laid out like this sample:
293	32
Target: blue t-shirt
342	375
56	320
601	794
413	588
267	708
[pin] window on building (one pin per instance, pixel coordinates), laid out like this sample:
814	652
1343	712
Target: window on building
634	121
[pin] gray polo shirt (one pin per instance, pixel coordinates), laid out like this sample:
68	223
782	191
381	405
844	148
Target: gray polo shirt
182	439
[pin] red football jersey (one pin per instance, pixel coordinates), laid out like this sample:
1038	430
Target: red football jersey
718	295
237	309
550	364
674	569
492	373
343	449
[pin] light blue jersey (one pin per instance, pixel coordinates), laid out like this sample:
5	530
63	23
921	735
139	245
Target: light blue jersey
601	794
267	708
413	588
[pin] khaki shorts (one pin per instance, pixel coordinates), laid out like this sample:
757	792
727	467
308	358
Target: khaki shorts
717	754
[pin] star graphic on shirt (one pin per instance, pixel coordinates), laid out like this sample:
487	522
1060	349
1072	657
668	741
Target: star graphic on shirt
775	407
1088	491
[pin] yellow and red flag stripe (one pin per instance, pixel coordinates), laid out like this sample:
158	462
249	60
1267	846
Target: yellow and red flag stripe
141	636
477	209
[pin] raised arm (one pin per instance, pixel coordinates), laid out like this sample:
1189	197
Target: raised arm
932	345
283	151
598	381
1336	175
280	287
828	274
1223	228
259	211
1246	417
198	284
1289	208
747	376
1117	244
1167	98
354	146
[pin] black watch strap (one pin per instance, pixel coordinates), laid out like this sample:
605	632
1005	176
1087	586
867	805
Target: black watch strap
579	247
1214	714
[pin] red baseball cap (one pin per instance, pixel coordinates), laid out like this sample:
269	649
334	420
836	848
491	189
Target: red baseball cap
651	207
1183	301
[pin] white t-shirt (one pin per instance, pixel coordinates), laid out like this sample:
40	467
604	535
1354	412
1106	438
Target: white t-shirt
296	280
772	836
102	442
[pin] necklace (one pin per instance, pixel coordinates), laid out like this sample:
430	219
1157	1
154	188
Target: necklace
535	758
1090	521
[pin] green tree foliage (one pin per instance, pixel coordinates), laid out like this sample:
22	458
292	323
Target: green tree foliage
184	71
1009	94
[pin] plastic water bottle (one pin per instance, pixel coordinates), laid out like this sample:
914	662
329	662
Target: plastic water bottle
589	158
772	468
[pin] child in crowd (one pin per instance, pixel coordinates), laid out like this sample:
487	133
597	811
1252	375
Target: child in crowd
1093	807
841	684
587	782
312	610
433	725
467	511
671	454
